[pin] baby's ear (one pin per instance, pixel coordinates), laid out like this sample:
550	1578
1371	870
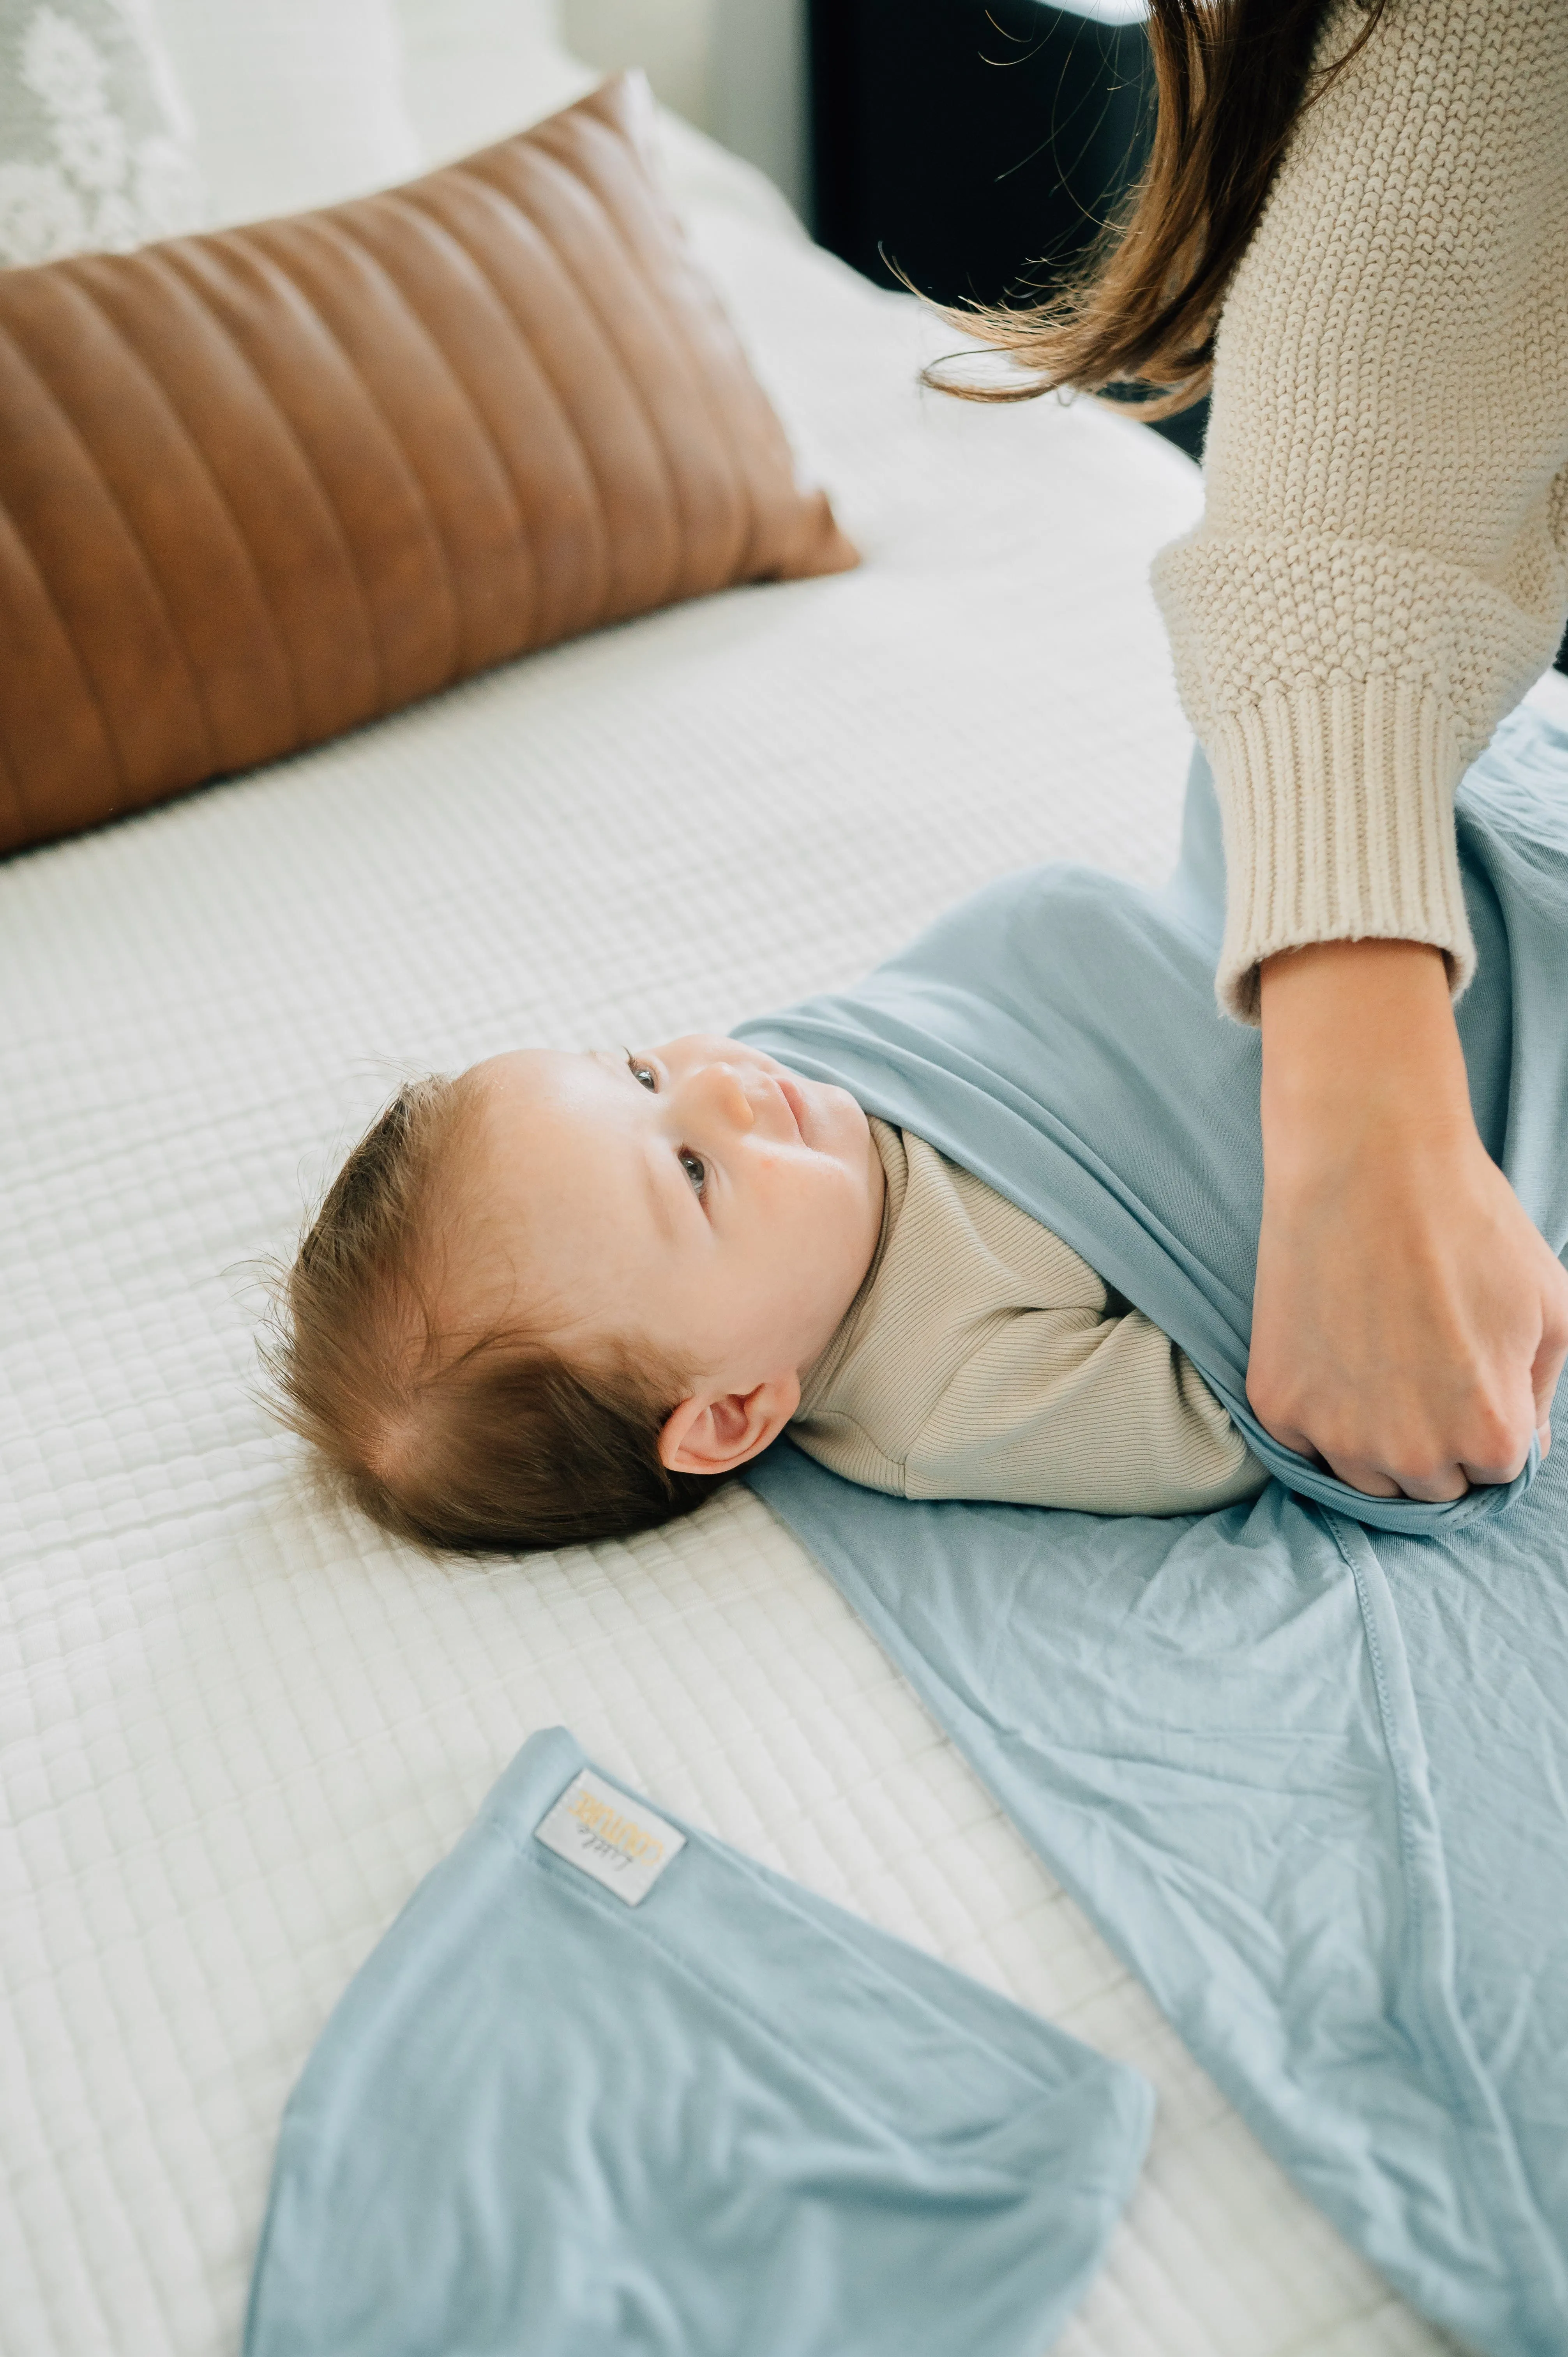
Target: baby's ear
713	1433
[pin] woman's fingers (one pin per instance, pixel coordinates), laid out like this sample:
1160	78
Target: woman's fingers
1368	1481
1397	1318
1400	1385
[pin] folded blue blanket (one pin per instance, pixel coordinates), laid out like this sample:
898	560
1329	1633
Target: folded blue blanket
1310	1777
606	2089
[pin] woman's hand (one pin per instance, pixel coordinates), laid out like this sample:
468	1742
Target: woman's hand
1410	1323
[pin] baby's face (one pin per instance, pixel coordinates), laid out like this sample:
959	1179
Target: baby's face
695	1196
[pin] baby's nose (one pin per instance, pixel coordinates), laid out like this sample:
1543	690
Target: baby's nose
743	1113
724	1086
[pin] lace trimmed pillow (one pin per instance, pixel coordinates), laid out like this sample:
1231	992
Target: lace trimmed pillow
95	149
261	486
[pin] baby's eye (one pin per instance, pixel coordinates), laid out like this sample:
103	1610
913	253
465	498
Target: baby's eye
694	1167
643	1074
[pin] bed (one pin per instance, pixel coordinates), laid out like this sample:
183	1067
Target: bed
236	1725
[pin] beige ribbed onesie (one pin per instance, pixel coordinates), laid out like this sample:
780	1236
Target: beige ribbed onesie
982	1357
1381	569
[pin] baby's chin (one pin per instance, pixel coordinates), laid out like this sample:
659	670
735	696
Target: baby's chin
856	1115
852	1148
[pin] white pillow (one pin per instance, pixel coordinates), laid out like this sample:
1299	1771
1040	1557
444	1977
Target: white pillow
96	149
475	69
298	103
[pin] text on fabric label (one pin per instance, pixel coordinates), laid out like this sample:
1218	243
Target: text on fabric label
618	1841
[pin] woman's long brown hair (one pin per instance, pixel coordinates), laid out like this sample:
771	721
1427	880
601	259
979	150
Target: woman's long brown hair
1231	78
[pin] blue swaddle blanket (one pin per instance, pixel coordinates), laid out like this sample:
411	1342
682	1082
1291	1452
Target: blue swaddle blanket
608	2089
1305	1761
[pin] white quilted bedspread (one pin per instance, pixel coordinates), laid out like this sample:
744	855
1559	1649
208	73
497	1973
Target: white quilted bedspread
236	1727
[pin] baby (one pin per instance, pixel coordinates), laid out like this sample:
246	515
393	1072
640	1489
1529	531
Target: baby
557	1298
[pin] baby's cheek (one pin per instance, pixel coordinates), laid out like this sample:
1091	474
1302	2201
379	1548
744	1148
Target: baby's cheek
790	1194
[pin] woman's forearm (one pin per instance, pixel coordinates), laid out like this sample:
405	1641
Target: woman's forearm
1410	1323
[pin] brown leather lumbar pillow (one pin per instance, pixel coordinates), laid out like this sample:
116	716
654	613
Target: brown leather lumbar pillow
258	486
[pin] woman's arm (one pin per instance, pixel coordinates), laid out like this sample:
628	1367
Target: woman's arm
1379	575
1409	1324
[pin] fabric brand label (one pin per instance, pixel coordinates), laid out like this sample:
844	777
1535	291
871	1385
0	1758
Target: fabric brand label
620	1842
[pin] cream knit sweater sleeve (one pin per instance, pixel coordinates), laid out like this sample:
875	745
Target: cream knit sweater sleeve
1381	569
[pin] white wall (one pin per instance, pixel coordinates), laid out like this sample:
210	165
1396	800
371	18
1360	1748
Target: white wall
757	96
735	66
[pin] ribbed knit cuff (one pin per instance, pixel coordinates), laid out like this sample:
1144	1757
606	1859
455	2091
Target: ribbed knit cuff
1337	803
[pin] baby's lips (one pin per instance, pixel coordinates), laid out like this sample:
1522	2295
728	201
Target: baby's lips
790	1092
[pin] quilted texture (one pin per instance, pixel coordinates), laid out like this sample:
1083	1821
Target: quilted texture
259	487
